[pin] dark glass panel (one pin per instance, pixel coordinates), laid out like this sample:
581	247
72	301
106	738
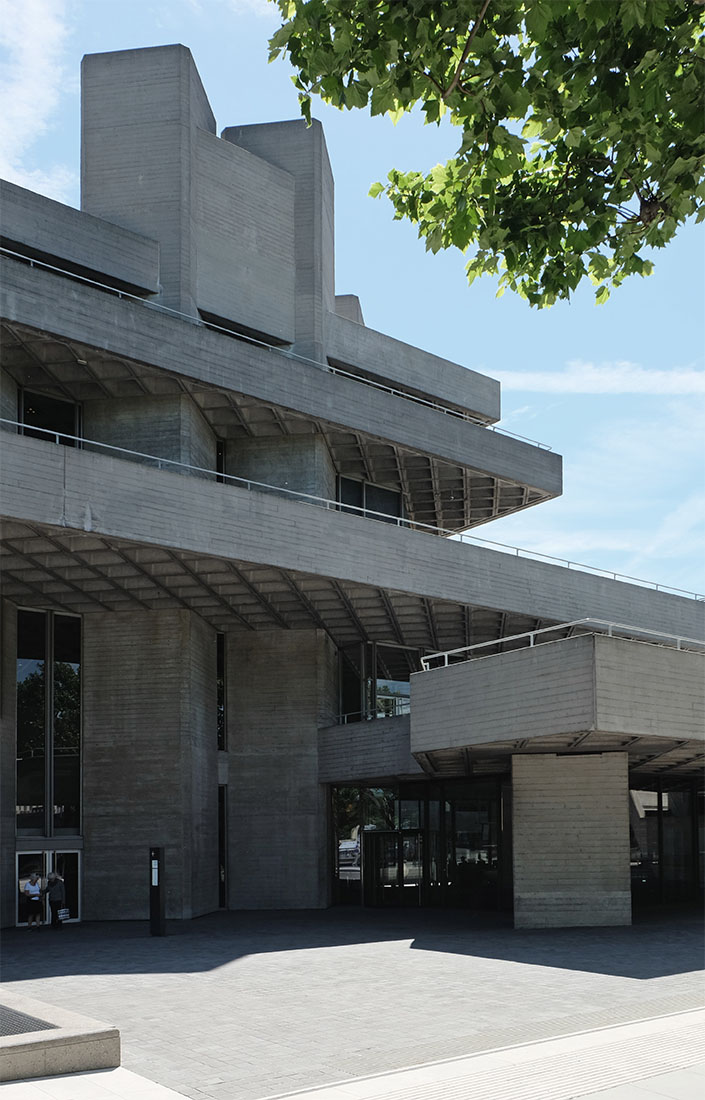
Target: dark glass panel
644	845
220	691
66	865
351	493
386	501
52	414
351	683
346	815
222	847
678	876
67	724
31	721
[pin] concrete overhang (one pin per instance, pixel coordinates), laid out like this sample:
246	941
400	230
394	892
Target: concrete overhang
589	693
392	361
45	230
140	333
94	532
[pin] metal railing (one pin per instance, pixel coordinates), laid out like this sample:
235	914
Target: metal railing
338	506
587	626
286	352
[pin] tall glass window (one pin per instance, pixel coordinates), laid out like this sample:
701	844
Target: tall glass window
222	740
31	722
48	724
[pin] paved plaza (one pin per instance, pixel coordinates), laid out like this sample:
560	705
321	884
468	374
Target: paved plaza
245	1006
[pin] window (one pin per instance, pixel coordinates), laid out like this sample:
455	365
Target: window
51	415
222	740
48	724
362	496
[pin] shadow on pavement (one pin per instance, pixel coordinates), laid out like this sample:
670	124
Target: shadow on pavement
658	944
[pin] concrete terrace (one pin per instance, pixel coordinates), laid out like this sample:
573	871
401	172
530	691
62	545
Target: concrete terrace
240	1006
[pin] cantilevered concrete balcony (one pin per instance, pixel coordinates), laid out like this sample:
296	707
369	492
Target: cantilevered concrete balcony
590	693
75	341
91	531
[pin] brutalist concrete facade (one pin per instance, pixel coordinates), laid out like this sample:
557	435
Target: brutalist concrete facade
256	484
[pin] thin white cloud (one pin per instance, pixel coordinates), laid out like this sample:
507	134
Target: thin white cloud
33	35
254	7
607	378
634	498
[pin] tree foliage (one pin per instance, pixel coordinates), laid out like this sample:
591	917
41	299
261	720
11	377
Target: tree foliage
581	123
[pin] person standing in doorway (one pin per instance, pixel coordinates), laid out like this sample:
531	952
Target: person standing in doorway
56	893
33	894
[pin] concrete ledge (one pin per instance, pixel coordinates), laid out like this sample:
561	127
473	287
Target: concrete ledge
75	1043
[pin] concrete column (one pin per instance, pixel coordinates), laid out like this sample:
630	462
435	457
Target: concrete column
301	150
8	400
141	111
280	685
571	840
298	462
149	762
168	427
8	697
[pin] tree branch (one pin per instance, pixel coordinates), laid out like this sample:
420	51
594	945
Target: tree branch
461	64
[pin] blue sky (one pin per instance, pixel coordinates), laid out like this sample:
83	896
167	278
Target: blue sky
618	390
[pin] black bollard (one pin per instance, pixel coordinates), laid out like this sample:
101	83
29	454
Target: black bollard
157	922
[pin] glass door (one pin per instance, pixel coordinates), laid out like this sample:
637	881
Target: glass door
66	864
393	868
28	864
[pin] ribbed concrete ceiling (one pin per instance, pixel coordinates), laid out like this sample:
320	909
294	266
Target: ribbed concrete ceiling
437	493
48	567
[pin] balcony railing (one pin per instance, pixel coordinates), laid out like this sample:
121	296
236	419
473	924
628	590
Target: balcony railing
336	506
277	349
564	630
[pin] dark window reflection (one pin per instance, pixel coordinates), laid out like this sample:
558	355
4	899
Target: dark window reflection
48	738
31	721
38	410
220	691
67	724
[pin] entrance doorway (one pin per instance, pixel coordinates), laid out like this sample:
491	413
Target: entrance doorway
66	864
424	844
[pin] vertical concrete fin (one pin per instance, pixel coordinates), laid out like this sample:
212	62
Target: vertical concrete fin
301	150
140	113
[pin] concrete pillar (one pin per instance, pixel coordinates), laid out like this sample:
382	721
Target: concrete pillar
8	697
141	111
8	400
299	462
571	840
280	686
168	427
149	762
301	150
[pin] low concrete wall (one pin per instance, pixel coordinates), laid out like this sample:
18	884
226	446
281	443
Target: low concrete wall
73	1043
589	682
366	750
570	826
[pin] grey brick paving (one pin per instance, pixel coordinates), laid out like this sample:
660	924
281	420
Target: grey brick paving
241	1006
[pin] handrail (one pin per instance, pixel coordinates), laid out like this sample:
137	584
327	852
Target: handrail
286	352
634	633
338	506
459	413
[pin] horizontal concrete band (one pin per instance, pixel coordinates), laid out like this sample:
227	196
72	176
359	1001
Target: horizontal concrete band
585	683
60	235
81	491
48	302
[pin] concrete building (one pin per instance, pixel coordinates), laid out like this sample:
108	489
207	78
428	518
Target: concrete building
226	507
